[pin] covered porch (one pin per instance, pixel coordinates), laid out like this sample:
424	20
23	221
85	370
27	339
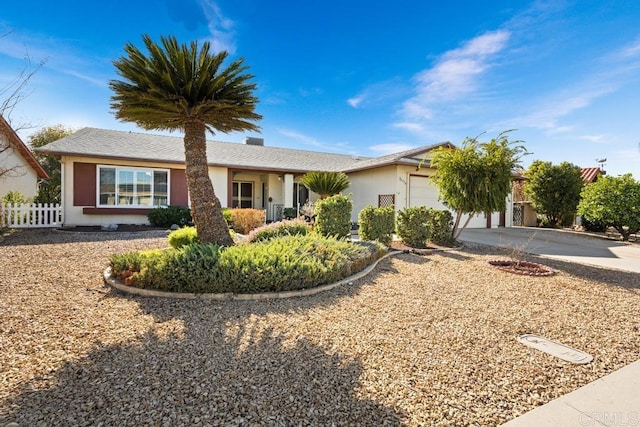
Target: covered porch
270	191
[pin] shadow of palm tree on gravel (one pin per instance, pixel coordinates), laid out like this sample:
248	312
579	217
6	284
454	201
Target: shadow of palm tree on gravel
213	368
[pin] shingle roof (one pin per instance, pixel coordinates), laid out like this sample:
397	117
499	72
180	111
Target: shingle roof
412	157
15	141
102	143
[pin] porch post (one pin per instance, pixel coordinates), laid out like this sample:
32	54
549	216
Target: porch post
288	190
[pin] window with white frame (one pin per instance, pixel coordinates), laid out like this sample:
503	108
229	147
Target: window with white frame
130	186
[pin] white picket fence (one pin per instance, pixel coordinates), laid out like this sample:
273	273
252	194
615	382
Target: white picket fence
35	215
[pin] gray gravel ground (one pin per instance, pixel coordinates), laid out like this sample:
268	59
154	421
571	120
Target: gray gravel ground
423	340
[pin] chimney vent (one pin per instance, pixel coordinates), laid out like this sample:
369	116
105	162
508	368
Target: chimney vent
248	140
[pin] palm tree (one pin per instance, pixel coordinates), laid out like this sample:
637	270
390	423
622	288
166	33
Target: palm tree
325	183
183	88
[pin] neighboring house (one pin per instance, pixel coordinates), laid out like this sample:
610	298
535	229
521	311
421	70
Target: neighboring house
19	169
117	177
591	175
523	212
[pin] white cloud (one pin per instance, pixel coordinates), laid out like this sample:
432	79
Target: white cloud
631	51
356	100
220	27
379	93
409	126
300	137
390	148
592	138
454	75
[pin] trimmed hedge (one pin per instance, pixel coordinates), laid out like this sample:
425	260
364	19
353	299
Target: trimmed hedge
166	217
279	229
333	216
413	226
280	264
377	224
183	237
441	227
418	224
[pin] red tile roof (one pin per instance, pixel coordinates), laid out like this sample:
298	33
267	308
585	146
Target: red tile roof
589	175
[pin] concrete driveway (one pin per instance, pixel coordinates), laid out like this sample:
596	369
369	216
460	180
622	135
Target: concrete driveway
564	245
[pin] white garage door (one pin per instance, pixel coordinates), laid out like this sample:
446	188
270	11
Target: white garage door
422	192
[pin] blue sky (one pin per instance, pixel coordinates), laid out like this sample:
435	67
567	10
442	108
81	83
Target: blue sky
365	78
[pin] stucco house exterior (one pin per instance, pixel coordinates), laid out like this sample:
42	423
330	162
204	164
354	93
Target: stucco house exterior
117	177
19	169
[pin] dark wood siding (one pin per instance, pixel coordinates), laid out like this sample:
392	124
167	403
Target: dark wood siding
179	191
84	184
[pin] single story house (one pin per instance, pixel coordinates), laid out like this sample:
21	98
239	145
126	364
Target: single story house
19	169
117	177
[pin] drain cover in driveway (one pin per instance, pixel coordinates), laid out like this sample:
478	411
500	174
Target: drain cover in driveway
556	349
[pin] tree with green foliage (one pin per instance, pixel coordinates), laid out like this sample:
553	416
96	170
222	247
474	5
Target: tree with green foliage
49	190
614	201
185	88
476	178
325	183
554	190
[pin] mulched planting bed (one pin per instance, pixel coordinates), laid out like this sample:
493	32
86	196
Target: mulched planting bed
522	267
423	340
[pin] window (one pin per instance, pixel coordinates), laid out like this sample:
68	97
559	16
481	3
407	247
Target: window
126	186
242	194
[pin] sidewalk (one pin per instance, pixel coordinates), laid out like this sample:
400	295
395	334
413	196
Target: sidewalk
612	401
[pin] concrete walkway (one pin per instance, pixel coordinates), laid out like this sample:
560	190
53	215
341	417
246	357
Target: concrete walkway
613	400
564	245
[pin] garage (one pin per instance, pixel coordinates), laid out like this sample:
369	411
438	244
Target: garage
422	192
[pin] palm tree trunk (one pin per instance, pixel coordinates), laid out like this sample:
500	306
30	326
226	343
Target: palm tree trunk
206	210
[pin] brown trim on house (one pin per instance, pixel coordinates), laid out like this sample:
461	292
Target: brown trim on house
488	215
14	140
178	187
84	184
230	187
503	219
116	211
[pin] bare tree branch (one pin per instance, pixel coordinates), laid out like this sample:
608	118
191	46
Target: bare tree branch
16	90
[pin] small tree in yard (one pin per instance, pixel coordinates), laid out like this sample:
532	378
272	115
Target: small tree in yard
49	190
614	201
185	88
554	190
477	177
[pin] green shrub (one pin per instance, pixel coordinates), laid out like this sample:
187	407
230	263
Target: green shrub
333	216
166	217
244	220
279	264
279	229
227	214
377	224
594	225
183	237
14	198
413	226
441	227
290	213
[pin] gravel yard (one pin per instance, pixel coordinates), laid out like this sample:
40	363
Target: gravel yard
423	340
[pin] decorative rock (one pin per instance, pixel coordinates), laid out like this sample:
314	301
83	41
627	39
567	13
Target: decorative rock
174	227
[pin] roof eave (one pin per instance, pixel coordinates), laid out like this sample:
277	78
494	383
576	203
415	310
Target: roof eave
15	141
